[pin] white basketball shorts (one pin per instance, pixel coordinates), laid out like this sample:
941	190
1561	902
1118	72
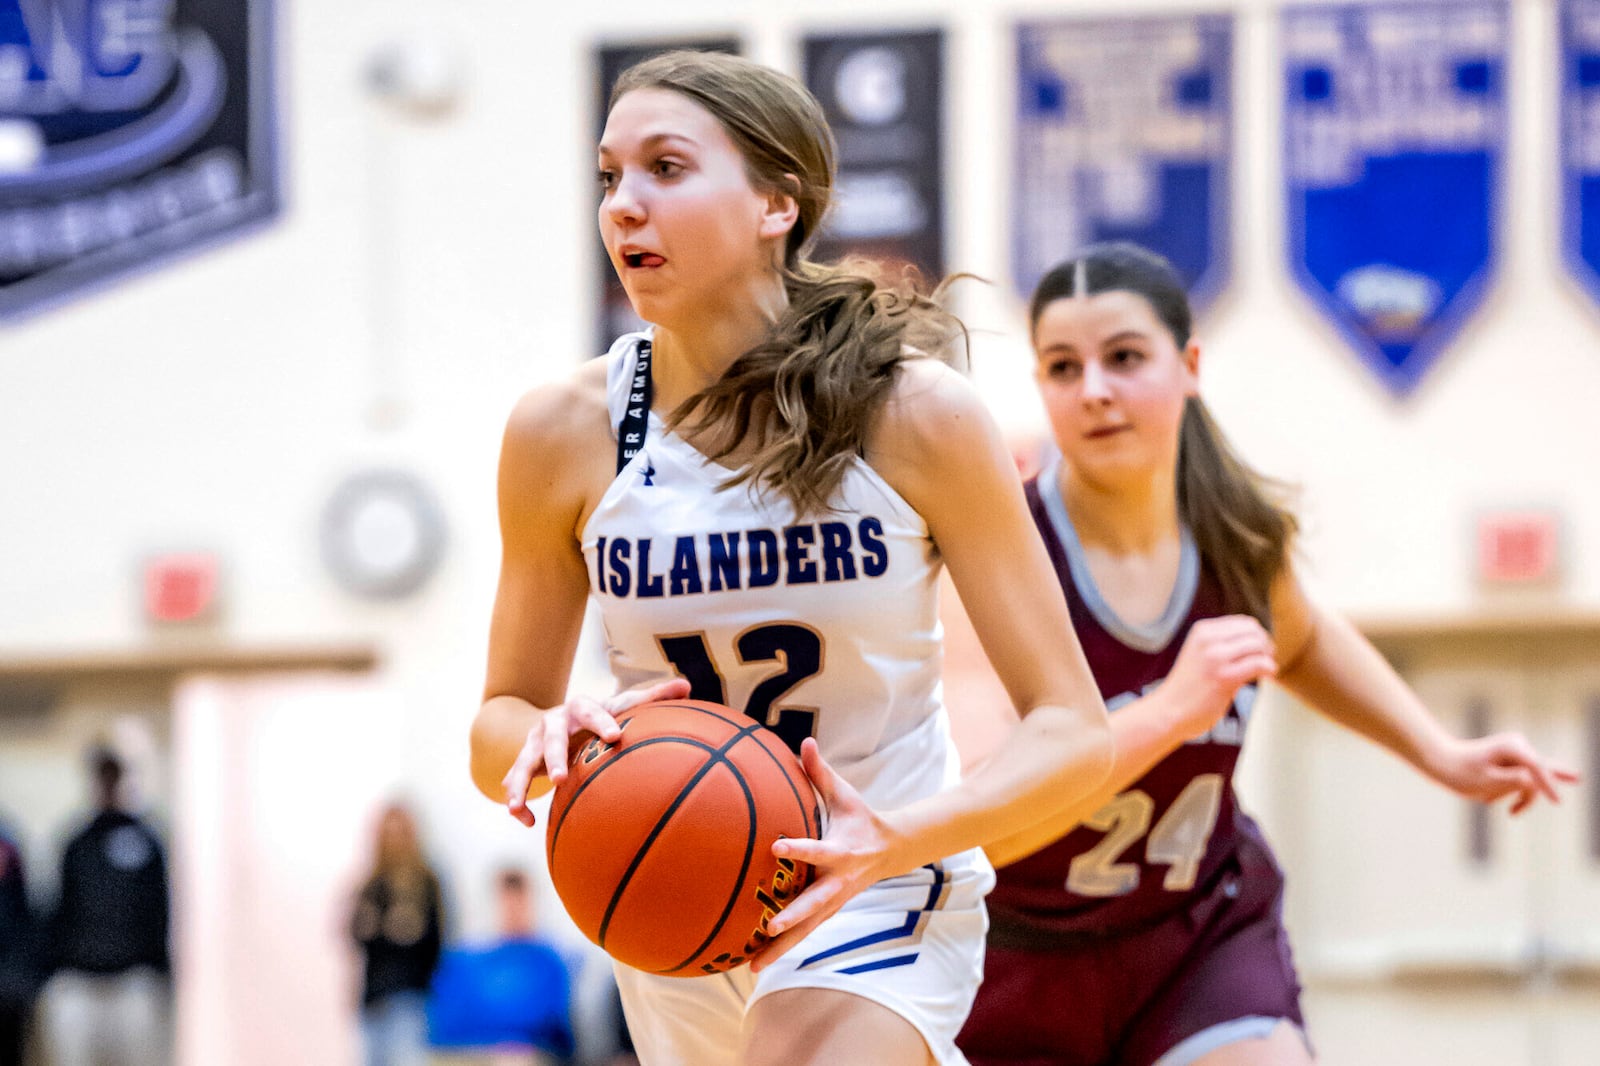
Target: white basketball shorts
912	943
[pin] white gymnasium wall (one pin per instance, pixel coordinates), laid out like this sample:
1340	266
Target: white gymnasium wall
425	272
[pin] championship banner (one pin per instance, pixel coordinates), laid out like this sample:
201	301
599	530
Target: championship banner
883	94
1580	141
616	315
130	131
1395	130
1125	132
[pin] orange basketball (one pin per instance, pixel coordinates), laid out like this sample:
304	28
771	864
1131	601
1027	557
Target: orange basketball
660	845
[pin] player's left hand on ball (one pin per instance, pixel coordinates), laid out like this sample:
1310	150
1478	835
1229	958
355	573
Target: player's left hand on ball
849	857
1504	764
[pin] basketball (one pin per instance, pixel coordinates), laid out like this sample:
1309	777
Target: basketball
660	845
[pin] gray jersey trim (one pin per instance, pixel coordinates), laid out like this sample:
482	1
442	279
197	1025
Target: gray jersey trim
1251	1027
1150	637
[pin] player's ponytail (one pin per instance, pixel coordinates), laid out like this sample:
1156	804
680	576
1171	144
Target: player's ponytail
1235	514
1232	511
808	394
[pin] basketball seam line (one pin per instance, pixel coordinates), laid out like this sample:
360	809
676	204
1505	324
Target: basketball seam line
719	758
622	719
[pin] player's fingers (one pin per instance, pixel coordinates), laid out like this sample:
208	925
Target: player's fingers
517	780
595	717
1513	749
1238	627
557	731
1523	801
804	849
1565	775
1249	667
674	688
1546	779
1500	780
1223	657
779	945
1248	642
804	913
823	779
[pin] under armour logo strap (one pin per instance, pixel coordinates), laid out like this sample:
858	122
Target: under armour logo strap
635	417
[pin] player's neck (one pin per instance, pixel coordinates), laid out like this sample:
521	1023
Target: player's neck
1128	518
693	354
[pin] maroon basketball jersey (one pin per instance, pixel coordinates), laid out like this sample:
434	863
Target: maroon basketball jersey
1164	837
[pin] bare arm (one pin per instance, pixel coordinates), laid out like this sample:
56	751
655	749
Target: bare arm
1333	668
538	607
947	457
557	451
940	449
1218	656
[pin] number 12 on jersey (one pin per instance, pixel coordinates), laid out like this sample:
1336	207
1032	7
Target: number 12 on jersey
797	648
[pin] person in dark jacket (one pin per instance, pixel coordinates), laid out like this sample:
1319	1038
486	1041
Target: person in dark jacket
398	925
109	995
19	963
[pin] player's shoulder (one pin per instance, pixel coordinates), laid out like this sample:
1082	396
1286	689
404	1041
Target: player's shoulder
931	405
934	435
566	413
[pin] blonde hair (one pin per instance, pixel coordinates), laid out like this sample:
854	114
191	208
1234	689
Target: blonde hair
807	395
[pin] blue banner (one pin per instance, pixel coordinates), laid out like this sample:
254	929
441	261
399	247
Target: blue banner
1580	141
1395	127
130	130
1124	131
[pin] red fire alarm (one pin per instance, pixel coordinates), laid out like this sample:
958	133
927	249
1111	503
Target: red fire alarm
180	587
1517	547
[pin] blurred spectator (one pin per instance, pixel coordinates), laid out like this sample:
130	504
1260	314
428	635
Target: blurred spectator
108	999
398	925
506	1003
19	962
604	1040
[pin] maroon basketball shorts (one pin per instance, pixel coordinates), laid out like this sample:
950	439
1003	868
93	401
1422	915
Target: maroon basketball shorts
1211	974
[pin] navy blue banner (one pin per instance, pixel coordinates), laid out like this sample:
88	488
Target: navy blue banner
1395	128
616	315
130	130
1125	132
883	94
1580	141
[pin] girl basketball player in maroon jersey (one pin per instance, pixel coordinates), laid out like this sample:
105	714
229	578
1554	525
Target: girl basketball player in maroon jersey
759	493
1151	934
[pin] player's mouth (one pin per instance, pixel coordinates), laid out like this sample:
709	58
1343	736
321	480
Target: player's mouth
638	259
1104	432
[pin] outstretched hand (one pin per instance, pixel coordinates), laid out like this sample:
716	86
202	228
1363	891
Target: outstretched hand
850	856
549	742
1503	764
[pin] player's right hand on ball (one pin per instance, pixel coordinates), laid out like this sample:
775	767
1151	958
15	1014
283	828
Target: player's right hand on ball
853	852
546	749
1218	656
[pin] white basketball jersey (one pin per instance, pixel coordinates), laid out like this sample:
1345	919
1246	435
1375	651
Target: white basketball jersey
824	625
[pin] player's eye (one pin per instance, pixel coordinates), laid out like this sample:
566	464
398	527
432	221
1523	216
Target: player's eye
608	178
666	168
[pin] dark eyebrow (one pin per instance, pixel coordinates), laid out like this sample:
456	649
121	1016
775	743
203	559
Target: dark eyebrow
655	140
1127	334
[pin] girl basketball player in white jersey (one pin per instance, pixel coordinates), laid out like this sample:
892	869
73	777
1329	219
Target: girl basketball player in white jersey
759	492
1158	918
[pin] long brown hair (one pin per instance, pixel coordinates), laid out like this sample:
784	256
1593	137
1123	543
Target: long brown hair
807	394
1240	525
397	853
